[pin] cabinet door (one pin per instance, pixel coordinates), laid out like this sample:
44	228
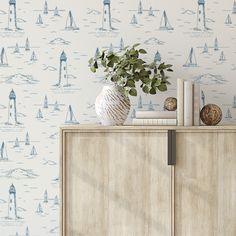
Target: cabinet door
116	184
205	184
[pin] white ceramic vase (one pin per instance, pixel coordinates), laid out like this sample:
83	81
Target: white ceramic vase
112	106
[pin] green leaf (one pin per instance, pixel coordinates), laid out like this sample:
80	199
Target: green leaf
110	64
142	51
133	92
146	89
93	69
136	45
152	91
162	87
170	70
130	83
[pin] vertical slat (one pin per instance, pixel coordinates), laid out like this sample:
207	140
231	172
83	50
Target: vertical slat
171	147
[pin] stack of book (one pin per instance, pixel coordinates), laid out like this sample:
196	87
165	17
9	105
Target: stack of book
155	118
188	103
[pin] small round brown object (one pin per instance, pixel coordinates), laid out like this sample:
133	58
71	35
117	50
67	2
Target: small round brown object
211	114
170	104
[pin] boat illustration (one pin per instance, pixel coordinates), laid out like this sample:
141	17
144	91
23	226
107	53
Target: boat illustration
39	209
27	139
17	144
205	48
140	8
122	45
234	102
27	45
3	58
157	57
33	57
140	102
70	22
70	117
45	197
56	106
150	106
203	98
133	114
228	114
165	24
150	12
111	48
3	152
56	12
134	20
216	45
234	7
17	49
222	57
39	20
45	102
191	61
45	9
56	201
39	114
228	20
33	151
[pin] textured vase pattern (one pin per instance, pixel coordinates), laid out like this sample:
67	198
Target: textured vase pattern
112	106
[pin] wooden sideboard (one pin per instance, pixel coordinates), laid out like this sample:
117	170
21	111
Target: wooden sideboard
119	181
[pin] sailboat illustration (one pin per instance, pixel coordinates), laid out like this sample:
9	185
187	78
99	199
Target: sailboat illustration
140	7
97	53
234	102
56	202
150	12
33	151
157	57
33	57
56	106
205	48
27	45
133	114
228	114
140	102
234	7
191	61
122	45
222	57
39	209
27	139
165	24
45	102
134	20
39	20
111	49
150	106
203	98
45	8
39	114
27	231
70	23
216	45
3	58
3	152
56	12
45	197
228	20
17	49
70	117
17	144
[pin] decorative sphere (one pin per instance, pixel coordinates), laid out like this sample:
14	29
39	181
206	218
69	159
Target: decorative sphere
170	104
211	114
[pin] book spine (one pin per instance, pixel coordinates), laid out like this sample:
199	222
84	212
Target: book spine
155	115
196	104
180	102
154	121
188	103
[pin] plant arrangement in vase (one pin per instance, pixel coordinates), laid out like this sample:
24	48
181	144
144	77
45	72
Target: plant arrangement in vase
126	70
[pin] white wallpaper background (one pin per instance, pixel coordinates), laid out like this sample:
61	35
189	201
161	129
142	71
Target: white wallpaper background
33	73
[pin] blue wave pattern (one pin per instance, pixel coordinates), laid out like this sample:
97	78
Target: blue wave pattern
45	82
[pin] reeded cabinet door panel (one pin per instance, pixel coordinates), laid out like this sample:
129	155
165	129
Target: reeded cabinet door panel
205	184
116	184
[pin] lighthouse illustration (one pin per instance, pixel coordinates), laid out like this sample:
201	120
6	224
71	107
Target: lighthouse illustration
201	16
12	213
12	116
12	25
63	76
106	18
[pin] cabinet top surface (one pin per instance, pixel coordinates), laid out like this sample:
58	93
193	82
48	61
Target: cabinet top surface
101	128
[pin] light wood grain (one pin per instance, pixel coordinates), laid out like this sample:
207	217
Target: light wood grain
116	183
205	184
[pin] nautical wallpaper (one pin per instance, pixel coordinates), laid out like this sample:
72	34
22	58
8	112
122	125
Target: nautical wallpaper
45	82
